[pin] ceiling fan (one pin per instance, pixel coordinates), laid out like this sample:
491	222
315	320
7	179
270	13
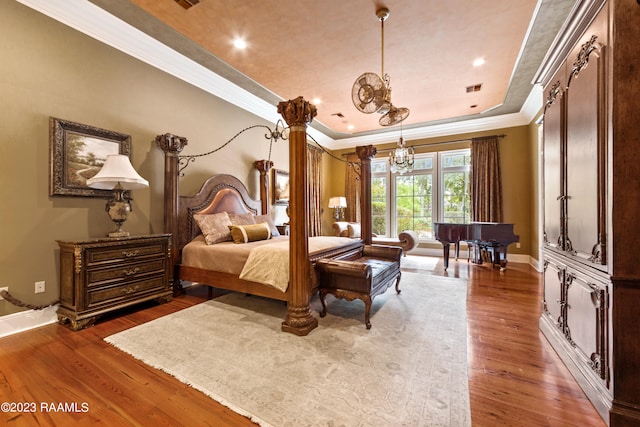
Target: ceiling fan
372	94
369	93
394	115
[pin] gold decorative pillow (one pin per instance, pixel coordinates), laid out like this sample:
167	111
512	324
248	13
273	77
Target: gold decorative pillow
268	220
214	227
250	232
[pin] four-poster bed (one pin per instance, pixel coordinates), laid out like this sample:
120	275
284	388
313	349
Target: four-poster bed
224	193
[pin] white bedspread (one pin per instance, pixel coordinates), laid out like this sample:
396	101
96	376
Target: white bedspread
269	264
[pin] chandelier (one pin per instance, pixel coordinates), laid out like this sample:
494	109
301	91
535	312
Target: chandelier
401	159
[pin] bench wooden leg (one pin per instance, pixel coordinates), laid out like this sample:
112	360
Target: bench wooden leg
367	310
398	283
349	296
322	294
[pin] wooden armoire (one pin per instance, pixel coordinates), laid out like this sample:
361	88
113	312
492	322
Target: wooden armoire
591	305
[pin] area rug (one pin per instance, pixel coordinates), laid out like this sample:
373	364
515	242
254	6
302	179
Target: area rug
409	369
419	262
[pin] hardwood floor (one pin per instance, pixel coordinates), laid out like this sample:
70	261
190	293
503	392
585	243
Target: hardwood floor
515	378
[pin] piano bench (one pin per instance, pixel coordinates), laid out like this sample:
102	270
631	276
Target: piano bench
363	278
489	251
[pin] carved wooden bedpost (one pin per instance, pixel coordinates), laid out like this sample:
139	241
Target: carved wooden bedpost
365	154
299	321
172	145
264	166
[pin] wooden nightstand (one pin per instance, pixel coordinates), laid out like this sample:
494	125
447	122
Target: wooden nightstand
101	275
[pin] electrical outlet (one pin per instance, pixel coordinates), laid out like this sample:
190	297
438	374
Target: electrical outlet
518	245
40	287
3	289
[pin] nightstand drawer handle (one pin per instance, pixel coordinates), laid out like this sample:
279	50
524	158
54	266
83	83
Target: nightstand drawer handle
130	254
131	272
130	290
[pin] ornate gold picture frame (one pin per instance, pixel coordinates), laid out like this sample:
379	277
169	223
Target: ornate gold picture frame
77	153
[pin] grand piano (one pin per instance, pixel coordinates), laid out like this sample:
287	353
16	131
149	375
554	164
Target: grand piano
491	238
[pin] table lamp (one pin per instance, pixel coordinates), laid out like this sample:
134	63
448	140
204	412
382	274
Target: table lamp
338	203
118	175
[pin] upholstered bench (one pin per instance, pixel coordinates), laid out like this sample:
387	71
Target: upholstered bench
407	239
363	278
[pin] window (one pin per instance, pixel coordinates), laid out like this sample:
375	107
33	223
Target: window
437	190
456	175
379	197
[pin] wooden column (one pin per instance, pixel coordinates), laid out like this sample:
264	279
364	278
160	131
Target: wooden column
299	321
365	154
172	146
624	104
264	166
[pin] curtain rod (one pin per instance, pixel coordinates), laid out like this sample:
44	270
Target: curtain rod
435	143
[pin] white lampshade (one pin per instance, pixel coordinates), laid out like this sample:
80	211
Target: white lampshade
117	169
338	202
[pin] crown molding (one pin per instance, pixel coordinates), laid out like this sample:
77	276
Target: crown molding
579	19
97	23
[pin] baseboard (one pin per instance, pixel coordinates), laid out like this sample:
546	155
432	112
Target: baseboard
596	392
535	263
28	319
520	258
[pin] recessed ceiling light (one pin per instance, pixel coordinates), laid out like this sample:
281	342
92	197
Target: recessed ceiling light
316	101
351	127
240	43
478	62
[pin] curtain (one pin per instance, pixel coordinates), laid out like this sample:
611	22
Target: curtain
352	188
314	167
486	185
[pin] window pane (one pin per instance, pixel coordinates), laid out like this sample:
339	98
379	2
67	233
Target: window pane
422	163
378	166
414	204
404	185
455	160
456	197
379	205
422	184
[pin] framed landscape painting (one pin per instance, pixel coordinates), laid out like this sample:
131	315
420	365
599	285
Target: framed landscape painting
77	153
280	187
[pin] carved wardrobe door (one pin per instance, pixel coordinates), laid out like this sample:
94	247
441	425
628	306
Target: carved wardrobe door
554	131
586	155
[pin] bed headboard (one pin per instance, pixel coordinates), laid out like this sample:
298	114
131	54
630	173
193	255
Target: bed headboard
220	193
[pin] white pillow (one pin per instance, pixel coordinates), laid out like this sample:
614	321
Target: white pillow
354	229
